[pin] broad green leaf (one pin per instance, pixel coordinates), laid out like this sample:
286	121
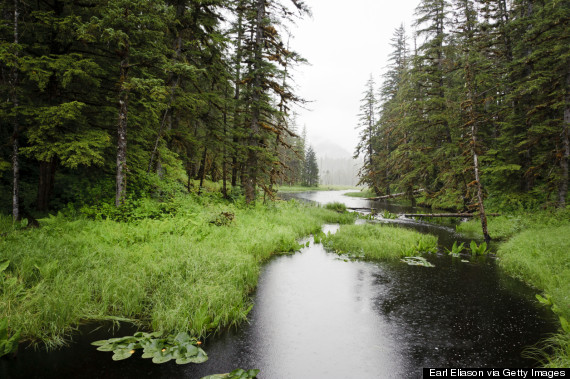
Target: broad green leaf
122	354
162	358
100	343
109	347
4	265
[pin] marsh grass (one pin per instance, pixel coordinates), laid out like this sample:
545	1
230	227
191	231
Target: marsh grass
176	274
539	256
336	206
366	193
375	241
506	226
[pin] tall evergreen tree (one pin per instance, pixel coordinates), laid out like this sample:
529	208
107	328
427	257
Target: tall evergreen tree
367	125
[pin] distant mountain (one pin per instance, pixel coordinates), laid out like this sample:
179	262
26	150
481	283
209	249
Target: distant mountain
336	165
326	148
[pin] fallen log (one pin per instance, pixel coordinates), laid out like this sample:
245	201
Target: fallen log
468	215
415	192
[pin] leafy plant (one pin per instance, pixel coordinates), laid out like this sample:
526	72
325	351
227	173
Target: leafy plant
8	344
478	250
235	374
455	249
417	261
318	237
547	301
424	245
182	348
389	215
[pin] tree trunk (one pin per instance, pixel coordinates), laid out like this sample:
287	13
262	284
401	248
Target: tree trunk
202	171
46	182
254	136
563	187
16	127
224	151
121	181
236	123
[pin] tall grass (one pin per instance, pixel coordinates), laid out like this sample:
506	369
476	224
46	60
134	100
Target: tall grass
540	257
179	273
506	226
377	241
362	193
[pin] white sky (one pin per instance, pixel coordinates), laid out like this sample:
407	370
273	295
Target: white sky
344	42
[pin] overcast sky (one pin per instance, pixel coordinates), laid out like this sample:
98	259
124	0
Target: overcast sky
345	42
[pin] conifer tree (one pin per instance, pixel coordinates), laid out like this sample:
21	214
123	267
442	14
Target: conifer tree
367	124
311	169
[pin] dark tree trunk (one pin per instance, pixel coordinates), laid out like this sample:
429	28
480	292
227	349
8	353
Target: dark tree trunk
202	171
563	187
121	181
46	182
236	123
254	136
16	127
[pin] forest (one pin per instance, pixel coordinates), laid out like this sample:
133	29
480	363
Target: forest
474	106
108	100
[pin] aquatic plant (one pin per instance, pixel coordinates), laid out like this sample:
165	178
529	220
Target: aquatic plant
417	261
235	374
389	215
455	249
478	250
8	343
182	348
336	206
547	301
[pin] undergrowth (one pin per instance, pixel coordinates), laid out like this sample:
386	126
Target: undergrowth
180	272
377	241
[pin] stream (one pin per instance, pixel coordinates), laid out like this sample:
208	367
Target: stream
317	315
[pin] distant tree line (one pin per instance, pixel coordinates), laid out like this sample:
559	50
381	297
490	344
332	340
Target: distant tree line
113	98
475	106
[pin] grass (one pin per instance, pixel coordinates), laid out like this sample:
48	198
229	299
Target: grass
536	251
506	226
366	193
178	273
336	206
540	257
376	241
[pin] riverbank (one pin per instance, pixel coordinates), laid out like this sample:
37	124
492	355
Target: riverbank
535	248
191	267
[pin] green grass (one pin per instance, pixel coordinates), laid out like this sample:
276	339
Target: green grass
336	206
376	241
362	193
506	226
178	273
538	252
